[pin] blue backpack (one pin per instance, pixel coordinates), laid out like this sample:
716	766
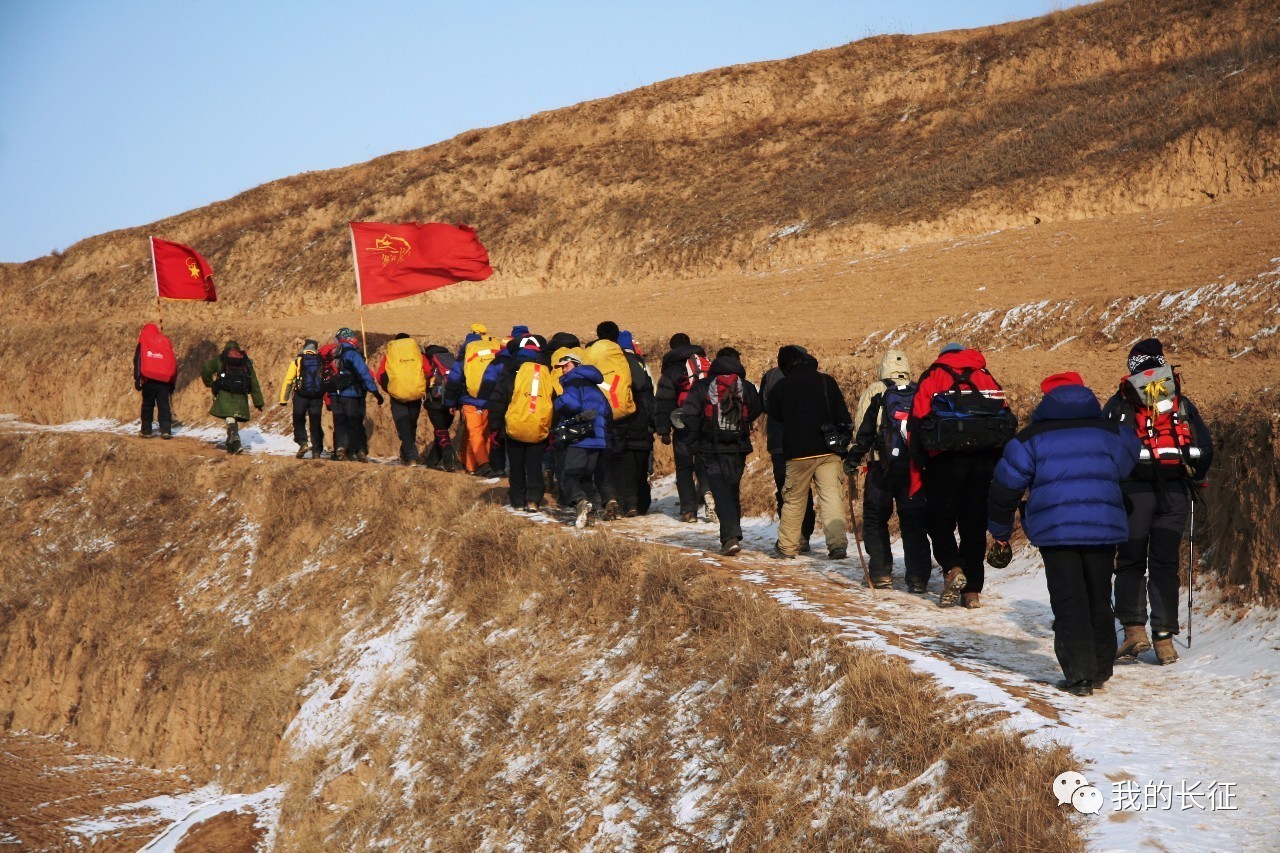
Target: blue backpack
310	381
895	410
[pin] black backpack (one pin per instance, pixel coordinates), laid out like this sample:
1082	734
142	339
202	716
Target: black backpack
725	413
965	419
234	376
310	380
892	448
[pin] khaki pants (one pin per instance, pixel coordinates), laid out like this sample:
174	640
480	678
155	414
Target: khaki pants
826	473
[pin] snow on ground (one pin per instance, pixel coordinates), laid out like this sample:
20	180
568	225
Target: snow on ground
1184	756
185	811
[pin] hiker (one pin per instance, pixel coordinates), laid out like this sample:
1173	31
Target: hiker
441	455
232	379
717	415
1177	451
582	427
350	381
304	378
882	414
618	382
1071	460
773	441
553	461
816	428
402	373
467	391
959	424
155	374
684	364
521	408
636	435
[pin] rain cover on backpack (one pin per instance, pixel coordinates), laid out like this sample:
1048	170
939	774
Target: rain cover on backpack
529	414
155	357
611	361
475	359
405	379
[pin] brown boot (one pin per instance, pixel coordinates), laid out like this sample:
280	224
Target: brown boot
953	582
970	600
1165	652
1135	642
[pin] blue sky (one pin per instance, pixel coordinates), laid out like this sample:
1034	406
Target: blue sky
116	114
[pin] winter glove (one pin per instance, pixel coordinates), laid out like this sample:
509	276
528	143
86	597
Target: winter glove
377	397
664	437
137	384
852	464
258	406
999	554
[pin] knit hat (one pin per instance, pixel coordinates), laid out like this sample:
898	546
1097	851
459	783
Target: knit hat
310	346
519	331
679	339
951	347
626	341
346	333
1057	380
528	341
1145	355
479	328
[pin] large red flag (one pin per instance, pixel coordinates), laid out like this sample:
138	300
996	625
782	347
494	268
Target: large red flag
400	260
181	272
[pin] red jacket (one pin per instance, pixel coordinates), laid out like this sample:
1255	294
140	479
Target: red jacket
936	380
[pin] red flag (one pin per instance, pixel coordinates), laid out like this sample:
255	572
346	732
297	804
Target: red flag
400	260
181	273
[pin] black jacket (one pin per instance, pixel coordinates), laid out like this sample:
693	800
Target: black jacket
636	430
665	394
803	401
701	429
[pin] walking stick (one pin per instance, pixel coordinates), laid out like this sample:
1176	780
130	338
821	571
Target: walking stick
1191	569
857	539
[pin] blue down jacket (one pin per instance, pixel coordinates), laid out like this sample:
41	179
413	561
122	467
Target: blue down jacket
582	392
1072	460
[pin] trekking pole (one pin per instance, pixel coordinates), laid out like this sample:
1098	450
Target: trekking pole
1191	568
857	539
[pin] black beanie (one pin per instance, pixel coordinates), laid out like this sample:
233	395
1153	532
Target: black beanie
1146	355
728	352
679	339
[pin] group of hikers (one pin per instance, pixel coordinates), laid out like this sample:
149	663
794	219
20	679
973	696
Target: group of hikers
1103	491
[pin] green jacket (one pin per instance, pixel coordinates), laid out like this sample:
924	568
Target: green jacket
225	403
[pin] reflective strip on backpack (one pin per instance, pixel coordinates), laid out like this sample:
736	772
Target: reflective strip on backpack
533	389
613	392
480	353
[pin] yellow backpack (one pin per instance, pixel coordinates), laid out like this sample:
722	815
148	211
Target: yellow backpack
529	415
405	380
611	361
555	359
475	358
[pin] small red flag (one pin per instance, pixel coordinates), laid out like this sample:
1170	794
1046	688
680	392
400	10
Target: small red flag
393	261
181	272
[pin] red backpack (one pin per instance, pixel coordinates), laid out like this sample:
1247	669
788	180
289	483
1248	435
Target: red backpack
696	367
725	411
1154	407
155	355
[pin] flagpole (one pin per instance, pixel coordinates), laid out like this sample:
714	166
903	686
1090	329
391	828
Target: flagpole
355	263
155	274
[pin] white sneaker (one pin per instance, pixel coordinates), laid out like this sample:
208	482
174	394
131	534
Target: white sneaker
711	509
583	516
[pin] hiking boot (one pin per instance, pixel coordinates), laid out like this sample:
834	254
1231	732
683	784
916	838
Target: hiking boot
146	433
1165	652
1135	643
303	450
485	471
917	587
803	547
711	509
838	553
631	513
688	517
610	510
1077	688
970	600
953	582
361	456
340	454
778	554
582	513
531	506
882	581
730	548
166	435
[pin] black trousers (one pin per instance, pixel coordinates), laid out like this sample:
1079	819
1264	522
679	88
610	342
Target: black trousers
691	474
632	468
579	471
155	398
1084	628
405	417
441	453
608	472
724	476
780	480
348	424
524	471
955	487
1147	564
306	412
879	494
